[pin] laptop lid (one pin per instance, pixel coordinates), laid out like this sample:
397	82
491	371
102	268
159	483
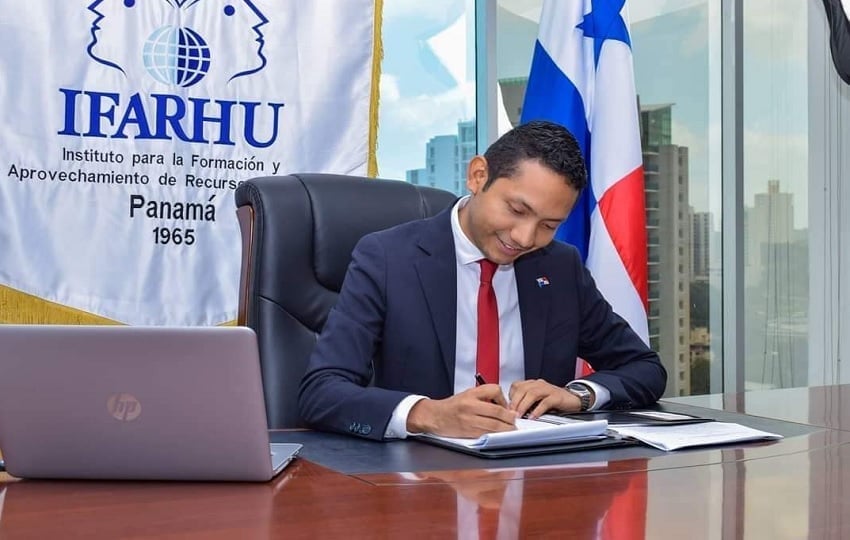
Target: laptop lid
125	402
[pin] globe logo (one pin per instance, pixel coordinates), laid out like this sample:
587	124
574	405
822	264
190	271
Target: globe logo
176	56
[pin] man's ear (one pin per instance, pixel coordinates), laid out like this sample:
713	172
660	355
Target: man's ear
476	174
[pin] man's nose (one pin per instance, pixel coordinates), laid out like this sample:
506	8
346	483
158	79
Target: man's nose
523	235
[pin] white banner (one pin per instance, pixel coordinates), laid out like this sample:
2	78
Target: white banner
126	125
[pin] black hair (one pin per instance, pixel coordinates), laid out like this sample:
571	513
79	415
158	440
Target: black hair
546	142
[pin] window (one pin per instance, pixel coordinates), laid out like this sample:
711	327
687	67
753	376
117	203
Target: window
427	90
680	92
776	191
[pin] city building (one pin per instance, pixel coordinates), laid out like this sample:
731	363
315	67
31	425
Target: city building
768	224
417	177
668	224
702	224
776	277
446	160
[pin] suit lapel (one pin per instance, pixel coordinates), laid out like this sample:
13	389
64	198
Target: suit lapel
533	308
437	270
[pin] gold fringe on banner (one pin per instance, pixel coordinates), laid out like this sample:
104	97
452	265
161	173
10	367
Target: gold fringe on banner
21	308
377	58
17	307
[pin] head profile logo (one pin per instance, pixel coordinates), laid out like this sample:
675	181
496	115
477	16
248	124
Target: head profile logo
178	43
124	407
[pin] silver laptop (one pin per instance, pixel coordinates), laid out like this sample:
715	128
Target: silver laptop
130	402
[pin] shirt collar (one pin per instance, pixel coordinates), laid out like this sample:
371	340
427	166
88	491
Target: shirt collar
465	251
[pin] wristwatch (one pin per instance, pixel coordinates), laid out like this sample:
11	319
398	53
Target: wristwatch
582	392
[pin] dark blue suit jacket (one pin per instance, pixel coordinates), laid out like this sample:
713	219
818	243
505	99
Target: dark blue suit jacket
392	330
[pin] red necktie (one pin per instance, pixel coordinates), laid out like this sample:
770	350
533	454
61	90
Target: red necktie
487	355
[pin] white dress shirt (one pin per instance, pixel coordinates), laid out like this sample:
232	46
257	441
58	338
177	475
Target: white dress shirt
511	353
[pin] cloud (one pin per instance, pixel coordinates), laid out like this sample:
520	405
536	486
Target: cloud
407	123
776	30
435	10
425	111
449	46
683	135
389	88
697	39
649	9
528	9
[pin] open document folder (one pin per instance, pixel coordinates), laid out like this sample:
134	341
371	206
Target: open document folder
530	433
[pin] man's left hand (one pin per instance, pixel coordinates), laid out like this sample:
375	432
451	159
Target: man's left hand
535	397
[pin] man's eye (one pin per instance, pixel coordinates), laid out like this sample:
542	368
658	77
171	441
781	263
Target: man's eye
515	210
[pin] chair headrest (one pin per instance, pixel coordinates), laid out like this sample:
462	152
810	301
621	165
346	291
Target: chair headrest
335	211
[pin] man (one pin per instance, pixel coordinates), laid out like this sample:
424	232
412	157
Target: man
400	351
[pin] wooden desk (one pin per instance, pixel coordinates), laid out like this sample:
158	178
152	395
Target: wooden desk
795	488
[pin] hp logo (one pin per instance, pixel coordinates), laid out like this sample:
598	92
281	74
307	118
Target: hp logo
124	407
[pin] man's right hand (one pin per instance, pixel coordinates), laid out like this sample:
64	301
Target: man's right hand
471	413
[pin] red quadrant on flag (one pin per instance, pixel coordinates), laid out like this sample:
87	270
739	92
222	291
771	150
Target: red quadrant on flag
626	198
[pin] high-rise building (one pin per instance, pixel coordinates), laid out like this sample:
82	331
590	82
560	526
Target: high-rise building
702	224
776	278
668	220
513	94
467	146
417	177
441	162
446	160
768	224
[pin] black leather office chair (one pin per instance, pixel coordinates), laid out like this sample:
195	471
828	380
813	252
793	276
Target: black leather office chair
298	233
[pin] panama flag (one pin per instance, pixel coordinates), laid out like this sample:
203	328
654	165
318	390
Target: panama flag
582	78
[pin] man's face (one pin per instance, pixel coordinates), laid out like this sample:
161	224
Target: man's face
119	29
516	215
236	26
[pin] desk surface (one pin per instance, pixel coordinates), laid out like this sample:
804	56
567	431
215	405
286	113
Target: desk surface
795	488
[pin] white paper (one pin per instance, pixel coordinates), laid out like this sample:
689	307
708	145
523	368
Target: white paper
531	433
688	435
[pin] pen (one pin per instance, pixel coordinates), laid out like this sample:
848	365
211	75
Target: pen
479	380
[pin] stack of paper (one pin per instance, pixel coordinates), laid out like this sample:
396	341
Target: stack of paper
689	435
532	433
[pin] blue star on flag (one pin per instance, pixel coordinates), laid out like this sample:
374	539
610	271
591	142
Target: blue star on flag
605	22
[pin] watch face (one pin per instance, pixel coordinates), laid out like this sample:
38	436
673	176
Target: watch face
582	392
578	388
